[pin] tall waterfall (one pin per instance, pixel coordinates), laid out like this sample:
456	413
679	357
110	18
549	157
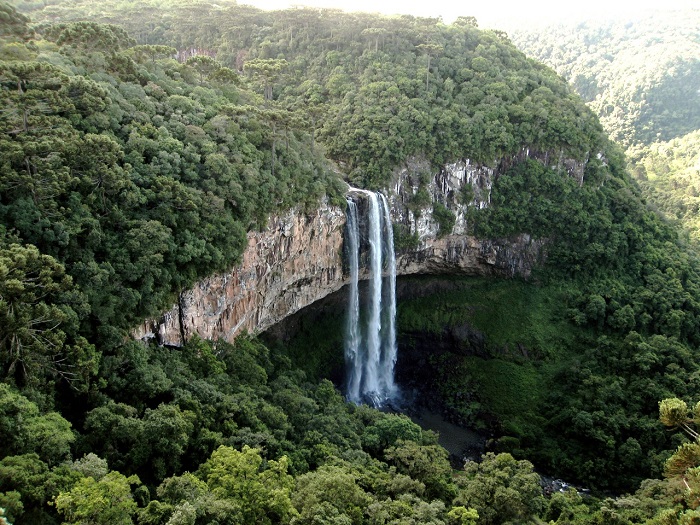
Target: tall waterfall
353	338
370	340
388	359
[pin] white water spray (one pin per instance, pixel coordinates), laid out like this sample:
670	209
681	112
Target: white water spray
370	346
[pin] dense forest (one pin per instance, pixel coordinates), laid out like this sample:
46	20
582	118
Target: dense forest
139	142
640	75
639	72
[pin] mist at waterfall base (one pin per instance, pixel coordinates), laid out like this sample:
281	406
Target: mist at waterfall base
370	338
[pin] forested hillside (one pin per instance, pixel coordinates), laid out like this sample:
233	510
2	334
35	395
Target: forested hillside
126	174
669	175
376	89
640	75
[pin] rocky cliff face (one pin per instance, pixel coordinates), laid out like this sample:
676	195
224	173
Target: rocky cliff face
293	262
298	258
458	187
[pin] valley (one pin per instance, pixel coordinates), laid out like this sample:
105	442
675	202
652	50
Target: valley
207	211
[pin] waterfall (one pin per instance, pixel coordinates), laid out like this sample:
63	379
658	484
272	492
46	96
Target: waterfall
353	360
370	340
389	340
374	323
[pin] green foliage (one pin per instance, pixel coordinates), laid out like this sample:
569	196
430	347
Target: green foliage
155	170
507	357
325	335
637	73
404	239
387	430
267	71
332	491
100	502
29	486
671	501
462	516
425	463
205	66
24	430
151	52
39	340
673	412
88	36
377	89
511	314
91	466
14	24
669	176
445	219
156	441
263	494
148	181
501	489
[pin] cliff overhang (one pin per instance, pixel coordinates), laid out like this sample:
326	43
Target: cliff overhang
298	259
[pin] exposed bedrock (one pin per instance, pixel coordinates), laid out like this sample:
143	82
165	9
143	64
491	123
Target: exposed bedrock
298	258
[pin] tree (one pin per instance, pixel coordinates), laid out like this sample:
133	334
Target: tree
35	95
24	430
186	496
428	464
462	516
89	36
264	495
90	465
204	65
152	52
388	430
166	433
37	321
267	70
376	34
107	501
501	489
12	23
429	50
673	412
466	21
274	116
225	75
29	485
407	509
330	487
684	465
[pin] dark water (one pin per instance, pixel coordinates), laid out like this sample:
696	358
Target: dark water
460	442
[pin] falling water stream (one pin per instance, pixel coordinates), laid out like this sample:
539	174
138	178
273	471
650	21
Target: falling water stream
370	340
388	360
370	337
353	335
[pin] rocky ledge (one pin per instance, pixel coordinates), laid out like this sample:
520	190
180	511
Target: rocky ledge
298	258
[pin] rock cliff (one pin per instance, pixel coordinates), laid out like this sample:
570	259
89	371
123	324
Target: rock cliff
298	258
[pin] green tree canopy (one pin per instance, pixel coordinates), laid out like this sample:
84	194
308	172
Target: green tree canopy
501	489
100	502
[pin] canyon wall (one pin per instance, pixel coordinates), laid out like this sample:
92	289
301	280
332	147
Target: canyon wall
298	258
